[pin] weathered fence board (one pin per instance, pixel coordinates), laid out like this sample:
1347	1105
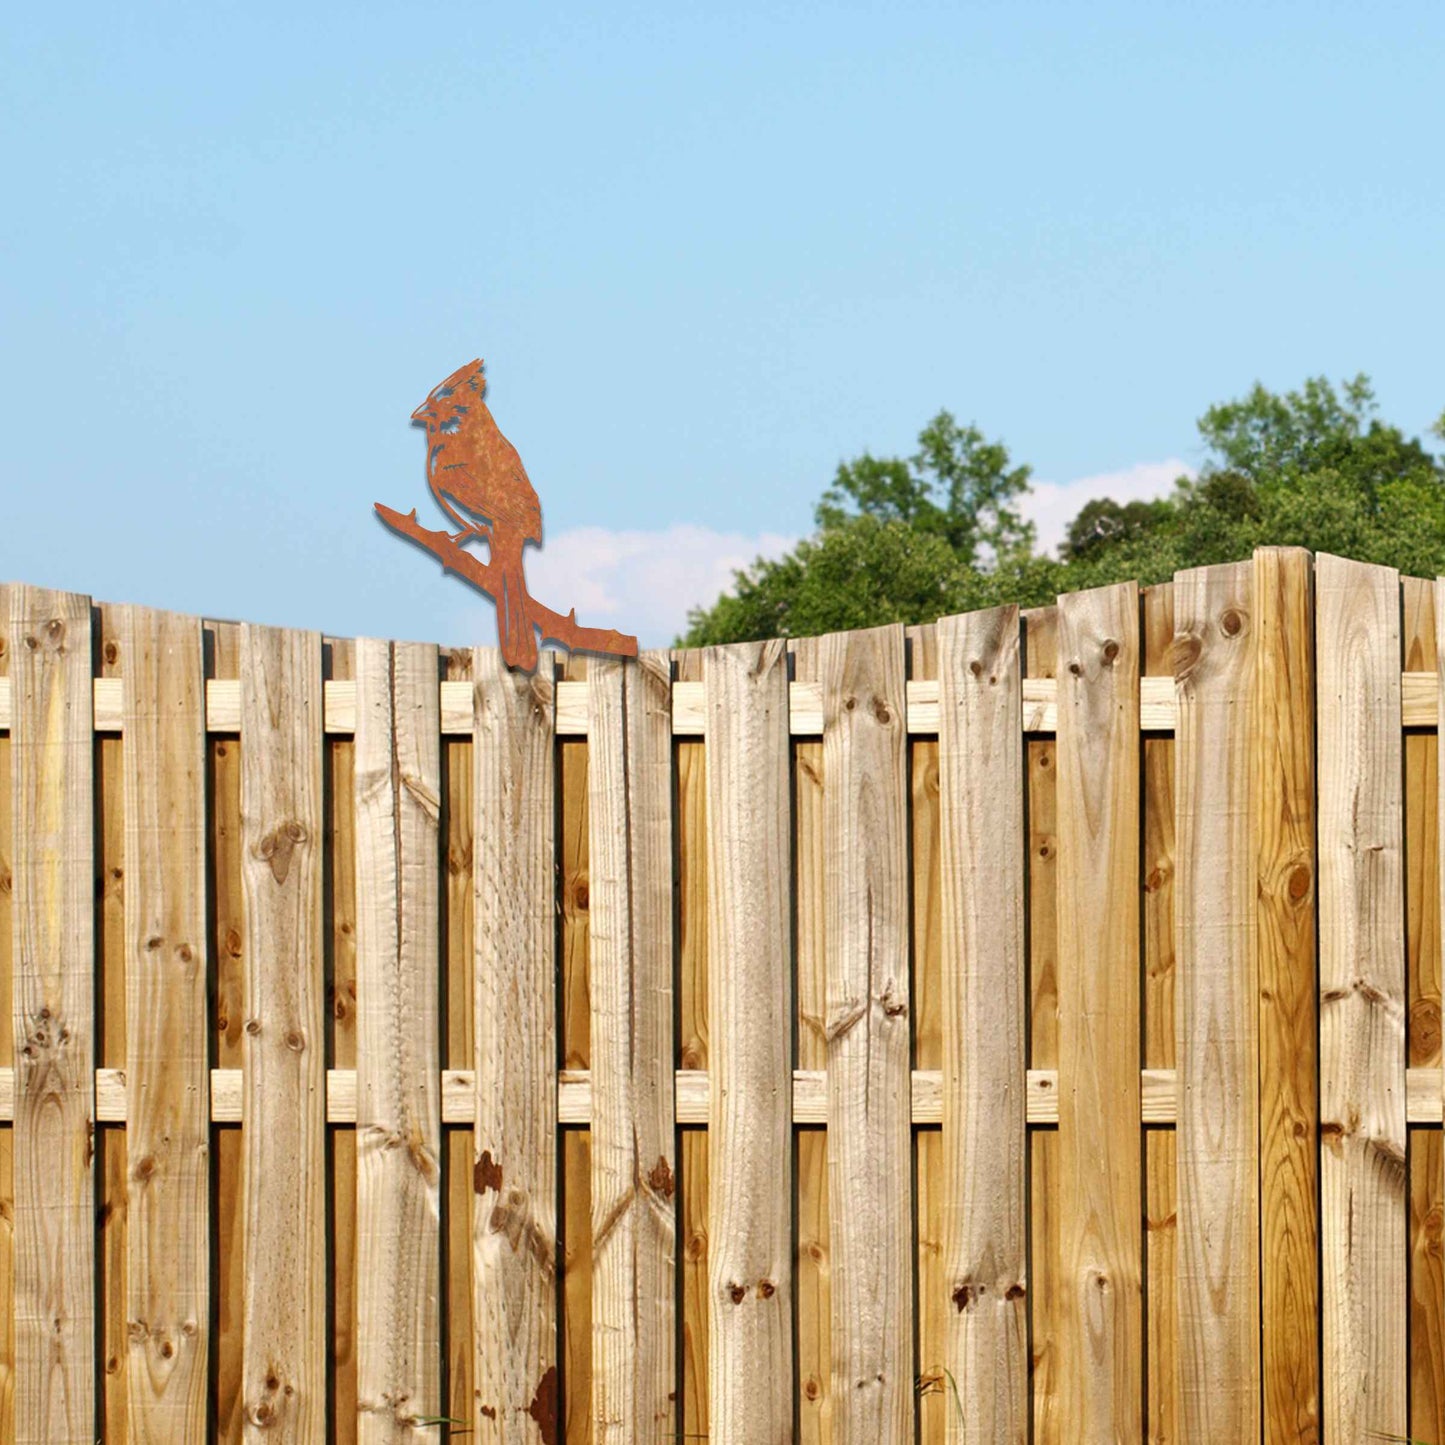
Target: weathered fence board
985	1140
167	1072
1284	810
1362	1004
633	1160
751	1356
7	1060
514	1239
228	1218
285	1290
1216	994
866	1030
1161	1209
397	779
51	747
953	1033
1100	1190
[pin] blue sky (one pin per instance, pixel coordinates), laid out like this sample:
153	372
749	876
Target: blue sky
707	251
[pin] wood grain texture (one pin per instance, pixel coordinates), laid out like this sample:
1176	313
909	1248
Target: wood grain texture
338	656
576	1022
1160	1172
867	1028
112	954
460	1051
984	1022
7	1060
1422	841
52	1009
227	924
397	796
813	1263
168	1122
1422	1019
1100	1203
1362	999
634	1165
692	971
1427	1284
751	1356
284	1352
514	1240
929	1188
1284	809
1217	1008
576	1242
1040	626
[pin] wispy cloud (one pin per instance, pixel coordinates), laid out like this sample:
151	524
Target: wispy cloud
1051	506
646	582
637	581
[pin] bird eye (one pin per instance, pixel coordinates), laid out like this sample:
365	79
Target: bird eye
451	424
443	392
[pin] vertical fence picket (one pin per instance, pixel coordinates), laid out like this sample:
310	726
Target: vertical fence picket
284	1077
1041	656
575	1017
692	973
1422	1025
228	1047
514	1236
935	1395
1362	986
461	1054
1284	806
52	795
985	1144
633	1154
112	957
1160	1165
751	1360
338	657
1216	1001
398	1059
867	1027
168	1118
810	995
1100	1187
8	855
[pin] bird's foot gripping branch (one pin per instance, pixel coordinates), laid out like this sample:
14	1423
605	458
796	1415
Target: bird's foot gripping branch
518	613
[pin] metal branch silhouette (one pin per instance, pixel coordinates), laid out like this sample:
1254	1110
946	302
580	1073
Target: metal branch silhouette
469	462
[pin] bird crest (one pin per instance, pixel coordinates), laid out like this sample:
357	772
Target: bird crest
477	478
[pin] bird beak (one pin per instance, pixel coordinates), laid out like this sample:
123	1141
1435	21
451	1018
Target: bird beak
420	414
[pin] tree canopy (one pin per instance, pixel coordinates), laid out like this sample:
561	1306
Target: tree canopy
942	531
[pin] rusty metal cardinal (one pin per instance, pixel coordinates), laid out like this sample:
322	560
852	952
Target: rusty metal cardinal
470	465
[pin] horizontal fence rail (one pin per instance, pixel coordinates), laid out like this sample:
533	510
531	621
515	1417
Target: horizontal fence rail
1021	1028
1419	701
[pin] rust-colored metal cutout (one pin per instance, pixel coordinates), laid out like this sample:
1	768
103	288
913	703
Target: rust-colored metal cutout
470	463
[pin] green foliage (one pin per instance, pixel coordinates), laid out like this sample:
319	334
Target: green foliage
912	540
958	486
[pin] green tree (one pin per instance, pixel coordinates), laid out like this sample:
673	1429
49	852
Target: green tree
1311	468
912	540
897	540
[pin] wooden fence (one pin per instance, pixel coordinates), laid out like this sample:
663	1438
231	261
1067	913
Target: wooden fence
1026	1027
